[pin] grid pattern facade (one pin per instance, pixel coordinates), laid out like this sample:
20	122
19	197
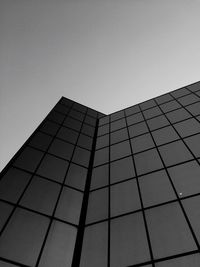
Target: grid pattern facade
115	190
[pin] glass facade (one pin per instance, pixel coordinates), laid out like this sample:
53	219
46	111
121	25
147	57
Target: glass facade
88	189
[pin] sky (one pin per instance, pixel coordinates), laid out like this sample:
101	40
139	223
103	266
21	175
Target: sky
105	54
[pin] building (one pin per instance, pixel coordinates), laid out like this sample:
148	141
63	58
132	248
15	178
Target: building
88	189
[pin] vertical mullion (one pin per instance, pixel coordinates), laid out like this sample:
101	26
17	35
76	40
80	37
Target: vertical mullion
140	196
109	205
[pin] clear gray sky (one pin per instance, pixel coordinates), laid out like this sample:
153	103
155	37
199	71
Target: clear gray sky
106	54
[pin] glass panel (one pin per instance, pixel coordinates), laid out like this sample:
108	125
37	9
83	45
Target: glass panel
6	264
186	178
55	116
118	136
101	156
53	168
80	107
174	153
76	115
157	122
163	98
90	120
194	87
89	130
69	206
128	241
137	129
188	127
120	150
152	112
76	176
73	124
169	232
192	143
97	205
191	206
41	195
165	135
68	135
180	92
22	239
102	141
95	242
121	169
156	188
194	108
92	112
40	141
141	143
170	106
189	99
49	127
191	260
135	118
61	108
117	115
104	120
103	129
85	141
5	210
81	156
148	104
59	247
118	125
61	149
132	110
29	159
13	184
124	197
178	115
148	161
99	176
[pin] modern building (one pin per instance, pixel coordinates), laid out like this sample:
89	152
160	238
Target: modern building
94	190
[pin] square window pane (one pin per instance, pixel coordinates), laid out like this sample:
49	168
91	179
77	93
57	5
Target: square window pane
41	195
76	115
85	141
128	241
40	141
194	108
193	143
141	143
137	129
147	161
92	113
157	122
118	136
121	169
55	116
5	210
61	108
49	127
165	135
53	168
103	120
72	123
76	176
117	115
169	232
120	150
61	149
81	156
103	129
90	120
188	127
80	107
191	206
188	99
148	104
88	130
101	156
194	87
95	246
99	177
174	153
102	141
116	125
67	102
180	92
58	250
97	205
68	135
191	260
186	178
22	239
152	112
69	205
170	106
178	115
134	118
13	184
156	188
124	197
132	110
29	159
163	98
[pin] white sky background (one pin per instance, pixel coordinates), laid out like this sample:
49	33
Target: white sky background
106	54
